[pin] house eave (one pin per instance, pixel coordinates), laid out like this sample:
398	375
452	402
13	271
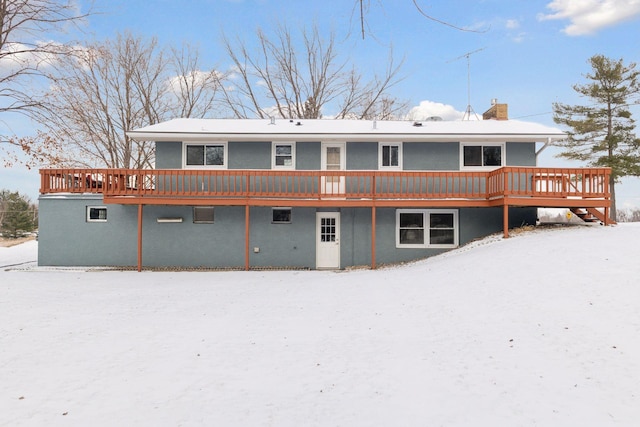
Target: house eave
349	137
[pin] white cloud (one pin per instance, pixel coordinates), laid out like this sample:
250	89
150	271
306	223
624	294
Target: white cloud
428	109
512	24
589	16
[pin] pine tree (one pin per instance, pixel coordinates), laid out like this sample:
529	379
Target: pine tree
601	133
17	216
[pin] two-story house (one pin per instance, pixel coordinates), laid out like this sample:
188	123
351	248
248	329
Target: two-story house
317	194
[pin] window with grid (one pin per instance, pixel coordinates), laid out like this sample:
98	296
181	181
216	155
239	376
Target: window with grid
283	155
422	228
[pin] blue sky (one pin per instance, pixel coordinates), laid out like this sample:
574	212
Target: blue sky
529	52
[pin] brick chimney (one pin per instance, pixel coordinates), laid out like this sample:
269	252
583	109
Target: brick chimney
496	112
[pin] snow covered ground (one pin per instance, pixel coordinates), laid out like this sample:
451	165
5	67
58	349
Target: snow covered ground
539	329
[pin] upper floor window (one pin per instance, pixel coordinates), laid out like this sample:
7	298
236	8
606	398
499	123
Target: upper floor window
390	156
284	155
205	155
483	156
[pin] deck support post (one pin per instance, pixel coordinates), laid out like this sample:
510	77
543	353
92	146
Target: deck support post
139	237
373	237
505	220
246	237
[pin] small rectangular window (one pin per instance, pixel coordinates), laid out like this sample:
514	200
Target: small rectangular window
281	215
96	214
283	155
390	156
203	215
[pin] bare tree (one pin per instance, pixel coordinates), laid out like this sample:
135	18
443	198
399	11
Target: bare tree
305	80
24	53
119	85
363	7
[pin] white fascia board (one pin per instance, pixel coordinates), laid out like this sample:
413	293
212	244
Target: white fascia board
375	137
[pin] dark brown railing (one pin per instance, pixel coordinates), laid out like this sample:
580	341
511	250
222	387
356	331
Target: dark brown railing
507	181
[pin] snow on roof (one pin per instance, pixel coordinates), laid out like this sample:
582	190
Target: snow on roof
351	130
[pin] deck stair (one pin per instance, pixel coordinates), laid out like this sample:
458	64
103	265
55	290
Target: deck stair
590	215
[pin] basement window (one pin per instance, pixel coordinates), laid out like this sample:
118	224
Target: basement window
281	216
203	214
96	214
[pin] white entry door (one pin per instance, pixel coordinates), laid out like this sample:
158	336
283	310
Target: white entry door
328	240
333	159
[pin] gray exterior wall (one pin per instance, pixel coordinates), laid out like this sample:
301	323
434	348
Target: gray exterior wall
308	155
67	239
424	156
362	156
520	154
168	155
249	155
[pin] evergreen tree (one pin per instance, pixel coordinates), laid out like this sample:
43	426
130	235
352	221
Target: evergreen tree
601	133
17	215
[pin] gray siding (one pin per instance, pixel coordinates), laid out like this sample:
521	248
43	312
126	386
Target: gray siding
308	155
168	155
67	239
362	156
249	155
520	154
424	156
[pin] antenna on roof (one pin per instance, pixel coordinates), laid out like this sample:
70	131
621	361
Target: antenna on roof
469	110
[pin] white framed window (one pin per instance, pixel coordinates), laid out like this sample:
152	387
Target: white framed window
281	215
96	214
203	214
390	155
426	228
481	156
205	155
283	155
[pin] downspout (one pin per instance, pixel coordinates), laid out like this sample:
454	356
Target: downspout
546	144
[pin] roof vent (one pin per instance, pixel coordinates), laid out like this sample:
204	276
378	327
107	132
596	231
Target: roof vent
417	124
298	123
273	120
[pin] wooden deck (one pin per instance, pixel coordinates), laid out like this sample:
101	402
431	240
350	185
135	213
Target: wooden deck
516	186
574	188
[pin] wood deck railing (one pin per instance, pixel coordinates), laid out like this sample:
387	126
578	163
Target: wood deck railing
513	182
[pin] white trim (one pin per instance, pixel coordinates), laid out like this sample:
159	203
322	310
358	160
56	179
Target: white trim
274	144
380	159
225	154
503	155
88	210
426	213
